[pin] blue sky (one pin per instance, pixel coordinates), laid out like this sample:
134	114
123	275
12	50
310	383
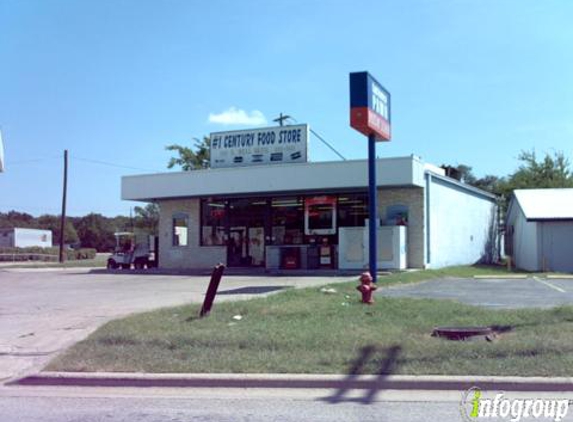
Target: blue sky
472	82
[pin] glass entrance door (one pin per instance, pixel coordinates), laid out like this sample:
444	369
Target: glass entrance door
246	237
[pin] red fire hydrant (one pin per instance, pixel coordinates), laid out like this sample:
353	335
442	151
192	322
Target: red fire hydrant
366	288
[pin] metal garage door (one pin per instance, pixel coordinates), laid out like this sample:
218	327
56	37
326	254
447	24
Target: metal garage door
557	246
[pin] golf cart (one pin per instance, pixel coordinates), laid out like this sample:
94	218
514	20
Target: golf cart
130	249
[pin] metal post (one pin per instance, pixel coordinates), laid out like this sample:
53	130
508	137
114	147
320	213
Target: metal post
372	226
212	290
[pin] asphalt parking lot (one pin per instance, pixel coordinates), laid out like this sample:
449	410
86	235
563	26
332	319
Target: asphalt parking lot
496	293
44	311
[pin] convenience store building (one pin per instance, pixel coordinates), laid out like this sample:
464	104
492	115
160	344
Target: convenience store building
308	215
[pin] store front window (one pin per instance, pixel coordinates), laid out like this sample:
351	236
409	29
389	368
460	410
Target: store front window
352	210
287	221
213	214
320	215
180	229
246	226
246	241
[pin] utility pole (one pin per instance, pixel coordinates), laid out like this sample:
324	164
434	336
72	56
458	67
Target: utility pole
63	222
131	219
281	119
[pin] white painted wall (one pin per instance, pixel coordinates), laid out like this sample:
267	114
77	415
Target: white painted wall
192	255
353	247
525	240
541	245
402	171
24	238
460	224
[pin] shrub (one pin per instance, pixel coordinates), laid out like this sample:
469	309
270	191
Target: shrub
85	253
36	253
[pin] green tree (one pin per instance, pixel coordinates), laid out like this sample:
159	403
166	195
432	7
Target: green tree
53	223
552	171
121	223
96	231
191	159
489	183
549	172
147	218
13	219
466	174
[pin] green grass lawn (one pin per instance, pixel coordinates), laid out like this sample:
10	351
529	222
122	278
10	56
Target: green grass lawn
306	331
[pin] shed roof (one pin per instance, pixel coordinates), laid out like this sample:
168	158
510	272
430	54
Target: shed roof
545	204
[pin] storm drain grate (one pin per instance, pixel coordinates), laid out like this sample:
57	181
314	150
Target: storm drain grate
465	333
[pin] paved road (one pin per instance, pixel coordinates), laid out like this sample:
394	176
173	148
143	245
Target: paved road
491	293
44	311
64	404
221	405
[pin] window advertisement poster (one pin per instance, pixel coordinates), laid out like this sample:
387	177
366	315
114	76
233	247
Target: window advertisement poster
271	145
320	215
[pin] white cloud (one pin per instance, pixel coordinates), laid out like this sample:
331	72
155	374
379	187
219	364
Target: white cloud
236	116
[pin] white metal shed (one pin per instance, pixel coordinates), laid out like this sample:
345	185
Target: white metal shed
539	229
22	238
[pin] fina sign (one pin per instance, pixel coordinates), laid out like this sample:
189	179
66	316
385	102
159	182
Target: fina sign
272	145
369	106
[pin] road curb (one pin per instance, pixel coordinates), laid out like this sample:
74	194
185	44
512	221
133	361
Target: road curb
297	381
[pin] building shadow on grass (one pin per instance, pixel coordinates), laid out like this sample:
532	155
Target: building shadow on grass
372	386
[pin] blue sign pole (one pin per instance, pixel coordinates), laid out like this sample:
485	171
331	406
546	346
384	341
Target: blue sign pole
370	115
372	226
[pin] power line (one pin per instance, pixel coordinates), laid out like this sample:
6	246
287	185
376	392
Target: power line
281	118
32	160
105	163
327	144
88	160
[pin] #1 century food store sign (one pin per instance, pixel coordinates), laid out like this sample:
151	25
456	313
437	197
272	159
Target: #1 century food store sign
271	145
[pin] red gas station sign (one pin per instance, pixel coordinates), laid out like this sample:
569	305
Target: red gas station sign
369	106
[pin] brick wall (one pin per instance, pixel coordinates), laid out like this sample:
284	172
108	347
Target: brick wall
193	255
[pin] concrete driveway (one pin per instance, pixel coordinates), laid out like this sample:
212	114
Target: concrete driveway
44	311
496	293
